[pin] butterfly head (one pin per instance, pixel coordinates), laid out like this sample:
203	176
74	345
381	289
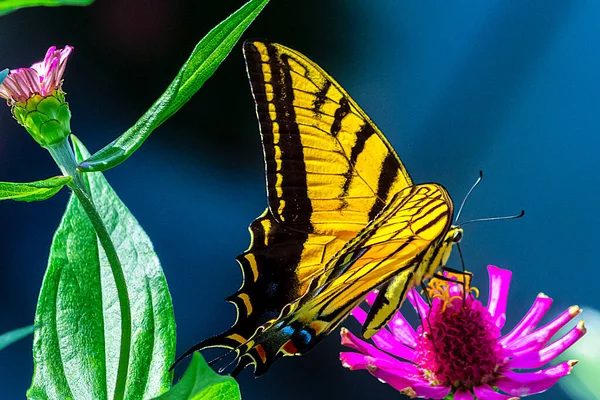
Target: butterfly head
453	236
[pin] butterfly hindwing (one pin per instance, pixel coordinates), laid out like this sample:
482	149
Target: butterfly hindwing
390	250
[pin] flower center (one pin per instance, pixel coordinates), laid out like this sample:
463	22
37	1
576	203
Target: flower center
458	343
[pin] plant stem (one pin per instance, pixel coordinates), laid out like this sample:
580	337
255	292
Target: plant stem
62	153
119	277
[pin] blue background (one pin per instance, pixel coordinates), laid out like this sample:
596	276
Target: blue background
509	87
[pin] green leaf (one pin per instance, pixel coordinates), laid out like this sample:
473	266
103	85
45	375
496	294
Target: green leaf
203	62
3	74
8	338
33	191
7	6
200	382
77	345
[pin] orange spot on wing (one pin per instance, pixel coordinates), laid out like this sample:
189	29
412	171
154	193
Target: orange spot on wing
261	353
289	349
237	338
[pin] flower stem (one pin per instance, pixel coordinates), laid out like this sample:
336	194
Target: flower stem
62	154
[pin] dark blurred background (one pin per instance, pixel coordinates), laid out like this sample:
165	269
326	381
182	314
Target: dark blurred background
509	87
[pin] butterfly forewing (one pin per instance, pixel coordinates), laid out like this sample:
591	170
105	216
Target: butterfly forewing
329	169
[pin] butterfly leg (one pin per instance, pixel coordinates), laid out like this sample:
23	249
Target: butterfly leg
425	322
424	286
464	270
456	271
445	278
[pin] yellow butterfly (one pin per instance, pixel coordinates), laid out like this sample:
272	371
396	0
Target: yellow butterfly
344	217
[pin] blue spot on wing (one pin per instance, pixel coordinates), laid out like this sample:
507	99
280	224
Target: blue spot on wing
288	330
303	336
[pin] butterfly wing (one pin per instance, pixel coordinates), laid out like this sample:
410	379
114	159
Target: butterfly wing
329	171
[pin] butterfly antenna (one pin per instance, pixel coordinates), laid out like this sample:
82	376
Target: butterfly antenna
430	303
468	195
521	214
464	270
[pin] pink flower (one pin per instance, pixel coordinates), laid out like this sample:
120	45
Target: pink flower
459	351
41	78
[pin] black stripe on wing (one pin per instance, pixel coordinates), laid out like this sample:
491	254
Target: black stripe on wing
296	208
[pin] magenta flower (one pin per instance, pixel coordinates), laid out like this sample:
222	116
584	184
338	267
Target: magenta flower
41	78
459	351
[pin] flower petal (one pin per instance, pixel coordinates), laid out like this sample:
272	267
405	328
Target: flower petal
399	368
403	330
539	308
56	69
538	358
499	286
49	55
487	393
353	361
350	340
384	340
388	343
538	338
463	395
418	303
431	392
357	361
20	85
524	384
409	387
359	314
371	297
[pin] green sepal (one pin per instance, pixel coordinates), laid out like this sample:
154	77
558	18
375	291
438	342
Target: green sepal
7	6
47	119
202	63
76	346
33	191
200	382
8	338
